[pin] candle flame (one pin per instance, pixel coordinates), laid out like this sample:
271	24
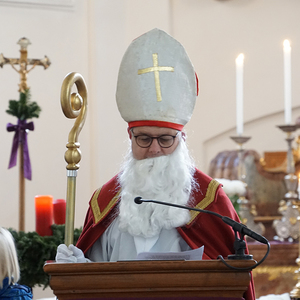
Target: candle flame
286	44
240	59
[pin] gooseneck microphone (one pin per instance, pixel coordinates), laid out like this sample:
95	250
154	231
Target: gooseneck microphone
239	244
241	228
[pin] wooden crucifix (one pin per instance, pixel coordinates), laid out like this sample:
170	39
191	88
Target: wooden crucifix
23	62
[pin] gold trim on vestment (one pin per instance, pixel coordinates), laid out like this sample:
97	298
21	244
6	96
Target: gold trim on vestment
208	199
98	215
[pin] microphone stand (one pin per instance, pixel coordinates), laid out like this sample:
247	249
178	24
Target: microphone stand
239	243
239	246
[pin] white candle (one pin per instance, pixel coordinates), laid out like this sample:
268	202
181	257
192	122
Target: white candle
239	63
287	82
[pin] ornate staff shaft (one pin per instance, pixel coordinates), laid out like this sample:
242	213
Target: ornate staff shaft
74	105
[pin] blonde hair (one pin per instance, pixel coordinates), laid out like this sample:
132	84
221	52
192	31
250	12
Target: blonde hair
9	265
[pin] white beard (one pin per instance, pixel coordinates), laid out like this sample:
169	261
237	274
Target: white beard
165	178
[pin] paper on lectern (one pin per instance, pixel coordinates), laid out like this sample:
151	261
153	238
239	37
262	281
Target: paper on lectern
195	254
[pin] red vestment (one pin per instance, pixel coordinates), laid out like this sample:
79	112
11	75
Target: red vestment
203	229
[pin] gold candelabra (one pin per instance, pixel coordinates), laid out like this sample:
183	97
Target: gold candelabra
74	105
291	179
292	200
287	227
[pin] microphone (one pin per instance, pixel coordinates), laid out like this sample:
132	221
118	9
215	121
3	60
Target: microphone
139	200
241	228
239	243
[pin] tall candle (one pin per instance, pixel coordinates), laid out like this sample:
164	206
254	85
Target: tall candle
239	63
59	211
287	82
43	214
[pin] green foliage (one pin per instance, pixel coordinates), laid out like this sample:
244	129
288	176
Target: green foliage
234	199
34	250
23	109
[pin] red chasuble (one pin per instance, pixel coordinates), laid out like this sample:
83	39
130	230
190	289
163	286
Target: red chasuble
202	229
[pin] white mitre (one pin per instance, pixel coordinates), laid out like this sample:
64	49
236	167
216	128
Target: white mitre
157	84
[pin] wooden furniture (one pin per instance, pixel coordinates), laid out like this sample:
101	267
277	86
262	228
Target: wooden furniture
139	279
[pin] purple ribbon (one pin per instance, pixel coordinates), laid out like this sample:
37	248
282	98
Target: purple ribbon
20	137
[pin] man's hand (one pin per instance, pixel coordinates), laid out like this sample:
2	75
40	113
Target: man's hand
70	254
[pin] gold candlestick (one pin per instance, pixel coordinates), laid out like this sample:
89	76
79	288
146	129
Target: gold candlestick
240	141
287	227
292	206
290	179
247	211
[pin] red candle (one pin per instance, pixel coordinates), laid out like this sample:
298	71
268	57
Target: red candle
59	211
43	214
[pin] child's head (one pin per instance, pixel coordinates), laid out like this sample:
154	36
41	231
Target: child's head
9	265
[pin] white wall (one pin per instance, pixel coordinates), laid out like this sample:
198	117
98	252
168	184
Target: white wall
90	37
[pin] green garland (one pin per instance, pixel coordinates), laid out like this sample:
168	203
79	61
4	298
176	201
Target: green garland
23	108
34	250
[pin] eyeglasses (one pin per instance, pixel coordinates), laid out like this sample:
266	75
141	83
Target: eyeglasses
164	141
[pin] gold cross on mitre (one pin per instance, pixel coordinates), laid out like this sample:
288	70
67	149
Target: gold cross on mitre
23	61
156	68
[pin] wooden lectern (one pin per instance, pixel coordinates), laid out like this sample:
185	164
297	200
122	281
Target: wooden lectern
153	279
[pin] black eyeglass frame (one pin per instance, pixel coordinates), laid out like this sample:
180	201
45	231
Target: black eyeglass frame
155	138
